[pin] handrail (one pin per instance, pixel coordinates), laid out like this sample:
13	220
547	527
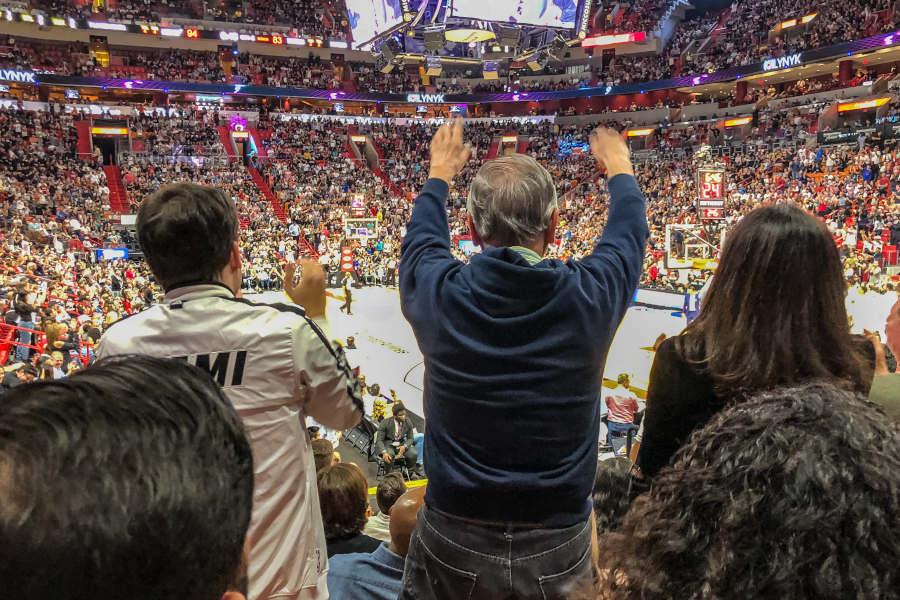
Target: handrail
41	342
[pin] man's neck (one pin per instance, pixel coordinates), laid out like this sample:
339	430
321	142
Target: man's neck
228	285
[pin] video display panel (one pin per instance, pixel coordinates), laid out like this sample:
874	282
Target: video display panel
368	18
547	13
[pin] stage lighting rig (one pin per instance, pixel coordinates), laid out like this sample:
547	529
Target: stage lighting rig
390	49
509	36
433	66
434	39
558	47
383	64
538	60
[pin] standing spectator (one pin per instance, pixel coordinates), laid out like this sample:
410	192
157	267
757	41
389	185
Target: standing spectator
343	494
622	404
387	493
775	315
132	479
23	305
274	362
886	385
512	391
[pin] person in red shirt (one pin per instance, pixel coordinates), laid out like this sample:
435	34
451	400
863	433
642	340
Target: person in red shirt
622	404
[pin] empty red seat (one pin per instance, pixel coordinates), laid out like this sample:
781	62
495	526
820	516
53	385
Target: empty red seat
890	255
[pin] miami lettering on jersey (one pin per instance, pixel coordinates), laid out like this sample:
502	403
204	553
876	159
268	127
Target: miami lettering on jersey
223	366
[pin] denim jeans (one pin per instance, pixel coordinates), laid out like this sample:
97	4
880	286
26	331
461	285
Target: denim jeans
22	352
617	430
615	435
458	559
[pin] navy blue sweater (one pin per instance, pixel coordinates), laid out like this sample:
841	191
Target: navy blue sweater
514	358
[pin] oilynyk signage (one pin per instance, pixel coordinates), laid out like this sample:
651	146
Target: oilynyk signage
782	62
425	98
17	76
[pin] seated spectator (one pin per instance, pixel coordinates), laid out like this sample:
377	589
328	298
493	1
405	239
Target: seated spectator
57	363
379	575
775	315
22	374
132	479
387	493
792	493
395	438
622	403
343	499
886	385
323	453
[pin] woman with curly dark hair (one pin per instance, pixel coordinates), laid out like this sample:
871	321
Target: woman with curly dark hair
774	315
343	498
794	493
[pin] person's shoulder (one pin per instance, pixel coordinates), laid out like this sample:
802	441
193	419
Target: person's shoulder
343	563
291	313
864	345
668	348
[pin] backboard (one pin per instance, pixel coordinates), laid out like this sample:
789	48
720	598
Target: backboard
694	246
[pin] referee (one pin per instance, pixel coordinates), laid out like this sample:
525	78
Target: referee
273	361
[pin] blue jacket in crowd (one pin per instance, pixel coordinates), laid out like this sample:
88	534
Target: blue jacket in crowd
514	355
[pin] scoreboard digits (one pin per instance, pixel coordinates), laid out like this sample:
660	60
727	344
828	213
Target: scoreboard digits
711	196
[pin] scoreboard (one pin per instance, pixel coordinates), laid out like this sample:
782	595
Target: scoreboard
711	193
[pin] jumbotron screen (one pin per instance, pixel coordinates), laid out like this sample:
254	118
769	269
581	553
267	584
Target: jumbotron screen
547	13
368	18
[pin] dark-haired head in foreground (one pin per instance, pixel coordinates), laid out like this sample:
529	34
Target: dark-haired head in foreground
775	311
130	480
794	493
189	234
611	497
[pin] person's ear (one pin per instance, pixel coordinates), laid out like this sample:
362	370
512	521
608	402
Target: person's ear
232	595
550	235
234	260
473	232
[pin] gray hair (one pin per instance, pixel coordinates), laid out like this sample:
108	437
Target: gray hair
511	200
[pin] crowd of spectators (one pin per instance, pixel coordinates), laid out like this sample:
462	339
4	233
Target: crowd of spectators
55	214
56	210
746	33
700	44
854	189
58	204
307	17
639	15
186	135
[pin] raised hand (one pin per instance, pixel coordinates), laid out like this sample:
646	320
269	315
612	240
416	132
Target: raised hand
448	152
611	152
310	292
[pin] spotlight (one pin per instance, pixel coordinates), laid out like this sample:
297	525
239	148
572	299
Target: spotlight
433	66
558	47
383	64
539	59
489	70
391	48
434	39
509	36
